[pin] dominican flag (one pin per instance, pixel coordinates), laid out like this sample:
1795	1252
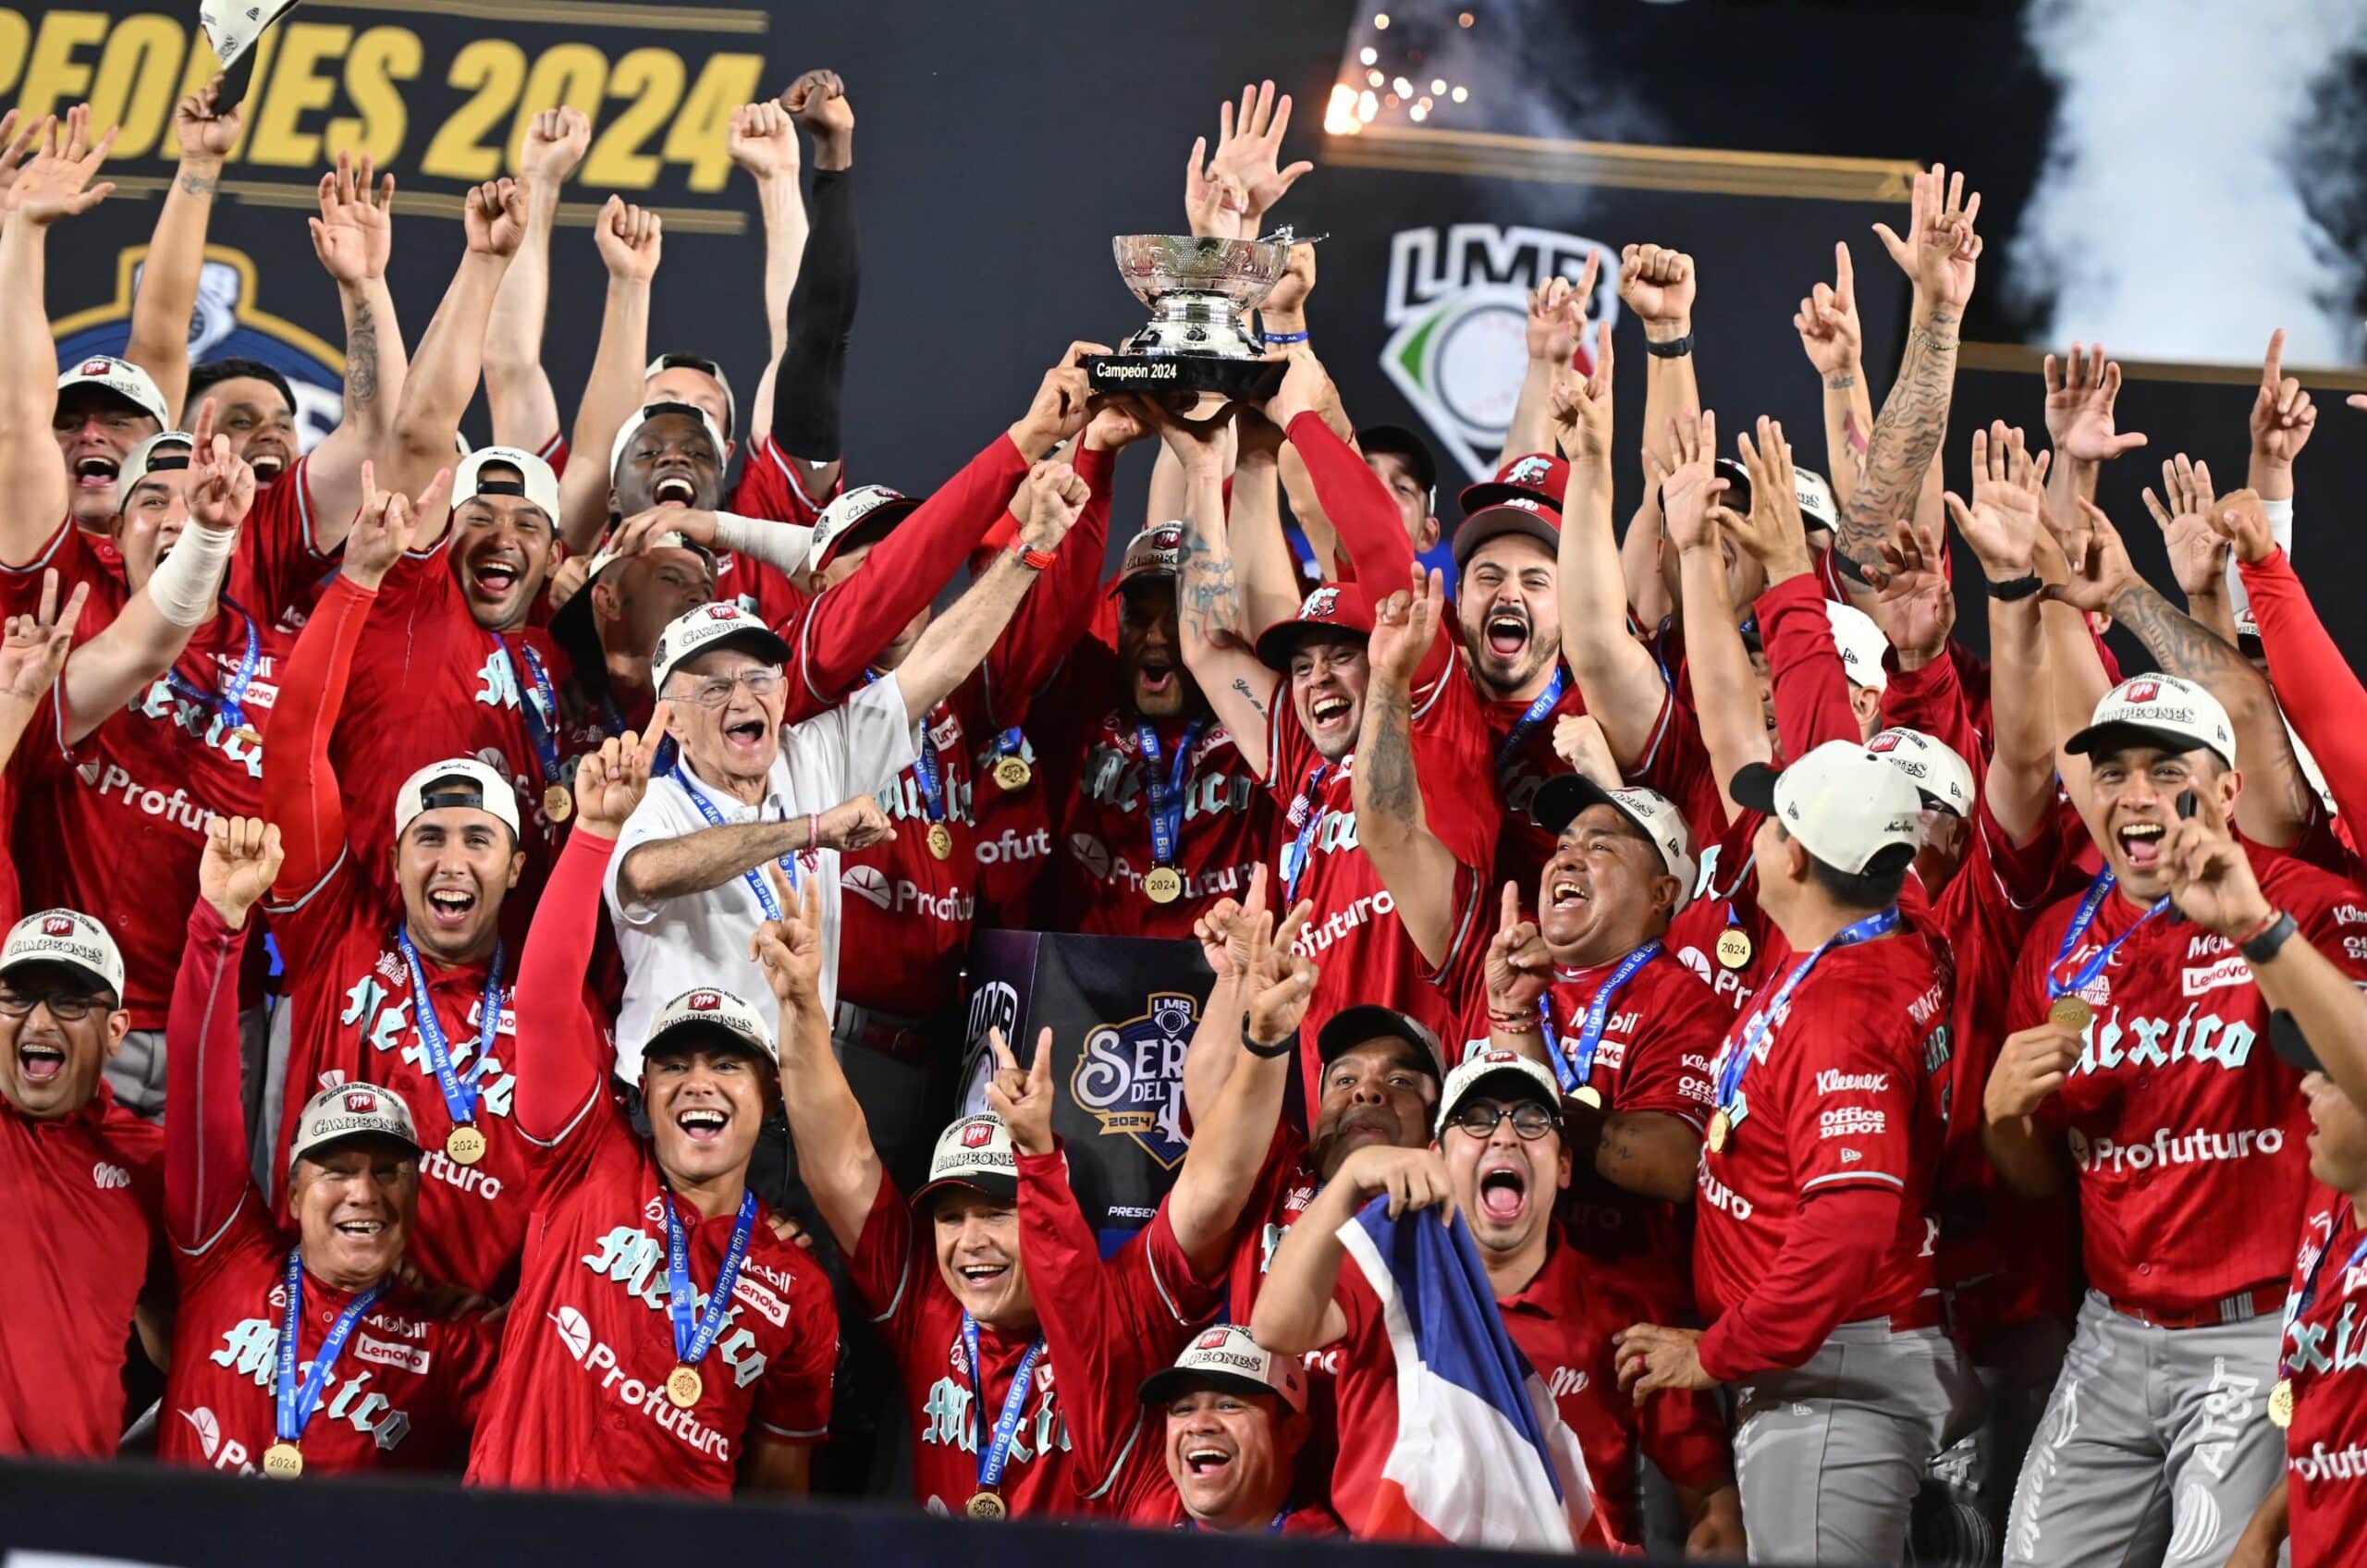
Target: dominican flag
1481	1456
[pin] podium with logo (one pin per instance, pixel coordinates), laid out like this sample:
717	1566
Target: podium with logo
1122	1010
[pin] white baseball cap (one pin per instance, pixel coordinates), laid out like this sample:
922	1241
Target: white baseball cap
456	781
350	1111
2158	710
1503	1072
974	1152
166	449
701	363
1561	798
123	378
708	1012
712	625
865	503
535	481
1815	499
64	936
1860	644
1850	807
1226	1357
632	427
1932	767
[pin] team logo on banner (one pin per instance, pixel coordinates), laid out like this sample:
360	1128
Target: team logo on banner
1458	305
1130	1076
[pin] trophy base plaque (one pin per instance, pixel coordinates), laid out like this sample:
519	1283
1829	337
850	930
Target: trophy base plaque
1156	374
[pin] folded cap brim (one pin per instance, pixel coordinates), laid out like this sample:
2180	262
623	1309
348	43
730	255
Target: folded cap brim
2118	732
1001	1189
1169	1382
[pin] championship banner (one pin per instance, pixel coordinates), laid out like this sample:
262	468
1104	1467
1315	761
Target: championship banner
1122	1010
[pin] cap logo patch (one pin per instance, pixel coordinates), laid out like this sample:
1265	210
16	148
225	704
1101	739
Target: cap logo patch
705	1001
1882	742
1168	538
723	612
1528	470
57	926
978	1135
1321	602
2141	690
97	367
360	1102
1213	1340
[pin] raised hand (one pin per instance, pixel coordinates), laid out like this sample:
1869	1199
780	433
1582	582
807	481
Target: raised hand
221	485
1941	248
1518	967
1557	314
1830	334
56	182
17	143
2001	524
2101	570
1215	205
1062	405
354	236
1054	495
492	215
1913	604
763	139
554	143
2211	877
1773	534
1579	740
854	825
242	855
1288	298
386	525
34	646
788	950
1655	282
817	101
1405	625
610	782
1307	386
2238	519
2080	396
630	241
205	130
2282	414
1224	930
1581	408
1023	1098
1280	982
1249	150
1693	485
2198	554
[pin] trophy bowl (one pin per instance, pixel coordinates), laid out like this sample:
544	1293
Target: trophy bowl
1200	292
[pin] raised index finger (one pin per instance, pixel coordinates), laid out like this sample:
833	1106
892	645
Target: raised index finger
2272	368
1040	1070
659	716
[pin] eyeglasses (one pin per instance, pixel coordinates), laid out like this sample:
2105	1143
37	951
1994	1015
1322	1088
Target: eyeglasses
1530	1119
65	1008
712	693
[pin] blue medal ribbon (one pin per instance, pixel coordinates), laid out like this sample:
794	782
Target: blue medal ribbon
459	1096
2298	1302
693	1340
753	877
292	1406
1167	794
1294	855
924	774
1575	1074
2082	919
1741	1047
1007	744
1529	719
995	1452
1274	1528
540	707
229	698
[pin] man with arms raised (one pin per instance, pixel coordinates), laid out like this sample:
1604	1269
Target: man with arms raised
315	1358
667	1336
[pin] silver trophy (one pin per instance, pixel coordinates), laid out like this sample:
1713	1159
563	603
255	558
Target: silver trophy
1200	292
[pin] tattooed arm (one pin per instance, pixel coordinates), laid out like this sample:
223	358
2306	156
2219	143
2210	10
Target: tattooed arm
1419	870
1835	340
354	238
1210	614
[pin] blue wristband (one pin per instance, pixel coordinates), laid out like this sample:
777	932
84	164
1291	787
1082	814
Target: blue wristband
1281	338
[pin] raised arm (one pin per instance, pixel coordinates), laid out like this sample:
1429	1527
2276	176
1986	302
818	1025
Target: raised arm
1295	1311
835	1157
2081	392
810	382
2327	704
517	389
1938	256
444	372
1557	324
1417	867
169	277
1656	285
1253	524
1834	340
1812	688
631	241
1369	526
1725	690
205	1136
2002	527
1209	613
54	184
763	140
2197	555
1623	686
959	641
1049	620
354	238
32	652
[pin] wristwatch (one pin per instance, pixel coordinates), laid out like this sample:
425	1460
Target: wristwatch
2262	945
1033	560
1282	1046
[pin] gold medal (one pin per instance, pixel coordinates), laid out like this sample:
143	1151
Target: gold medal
464	1144
1720	1125
247	735
1589	1095
1012	773
1164	885
557	804
1734	947
283	1461
2280	1404
940	840
2067	1012
986	1505
683	1386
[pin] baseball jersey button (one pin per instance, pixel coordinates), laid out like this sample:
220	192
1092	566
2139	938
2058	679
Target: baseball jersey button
2144	1269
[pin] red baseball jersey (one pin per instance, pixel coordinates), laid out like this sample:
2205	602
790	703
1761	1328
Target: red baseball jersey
1359	945
772	485
1842	1095
580	1402
906	913
1015	853
80	1233
2187	1131
354	1020
2323	1352
1522	752
894	1267
404	1394
1286	1184
1726	894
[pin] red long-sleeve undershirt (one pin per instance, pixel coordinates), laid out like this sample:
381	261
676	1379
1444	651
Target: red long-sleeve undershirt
2312	679
1057	611
205	1136
1829	1256
563	1055
1366	520
300	788
1812	686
